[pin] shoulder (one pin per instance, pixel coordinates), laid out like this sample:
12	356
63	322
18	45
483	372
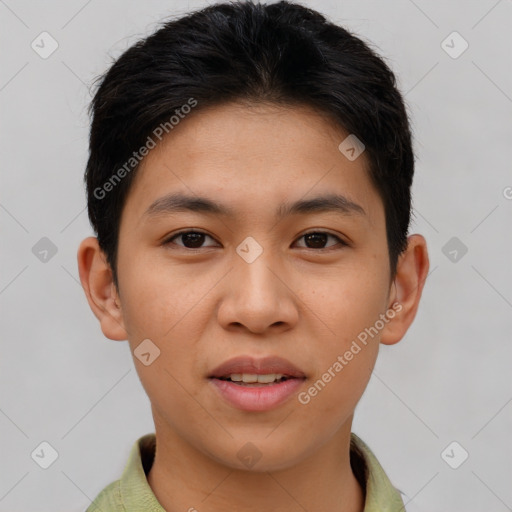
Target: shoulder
108	500
380	494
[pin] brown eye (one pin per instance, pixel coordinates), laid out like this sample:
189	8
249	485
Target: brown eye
190	239
313	240
318	239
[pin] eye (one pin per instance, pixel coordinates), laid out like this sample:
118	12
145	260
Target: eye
190	239
318	238
195	239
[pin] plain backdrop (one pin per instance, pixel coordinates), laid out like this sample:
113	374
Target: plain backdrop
448	381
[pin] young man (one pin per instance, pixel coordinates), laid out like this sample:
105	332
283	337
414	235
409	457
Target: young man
249	183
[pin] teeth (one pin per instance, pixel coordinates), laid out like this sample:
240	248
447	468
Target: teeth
252	377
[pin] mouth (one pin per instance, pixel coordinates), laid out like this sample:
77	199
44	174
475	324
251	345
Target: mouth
249	370
256	384
255	380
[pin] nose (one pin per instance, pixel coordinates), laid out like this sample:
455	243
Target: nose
258	297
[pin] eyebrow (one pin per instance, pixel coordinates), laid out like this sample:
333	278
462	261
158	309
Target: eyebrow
177	202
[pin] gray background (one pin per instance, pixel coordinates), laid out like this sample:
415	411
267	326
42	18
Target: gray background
448	380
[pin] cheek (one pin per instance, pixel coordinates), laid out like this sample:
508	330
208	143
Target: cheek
159	307
349	309
348	304
336	388
158	300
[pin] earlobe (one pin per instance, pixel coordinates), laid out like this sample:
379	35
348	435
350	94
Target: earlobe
412	271
96	278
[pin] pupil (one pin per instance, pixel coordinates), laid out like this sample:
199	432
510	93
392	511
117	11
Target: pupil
312	236
195	238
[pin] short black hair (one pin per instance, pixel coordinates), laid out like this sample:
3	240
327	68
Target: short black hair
282	53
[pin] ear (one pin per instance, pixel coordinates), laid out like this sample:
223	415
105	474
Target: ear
412	271
97	282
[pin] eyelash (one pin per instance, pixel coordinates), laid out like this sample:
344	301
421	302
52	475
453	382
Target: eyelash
169	240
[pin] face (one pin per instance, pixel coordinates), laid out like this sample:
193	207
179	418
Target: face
206	286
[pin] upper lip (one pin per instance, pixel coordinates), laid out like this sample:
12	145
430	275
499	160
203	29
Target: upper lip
261	366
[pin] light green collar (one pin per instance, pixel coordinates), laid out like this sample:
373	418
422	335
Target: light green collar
132	493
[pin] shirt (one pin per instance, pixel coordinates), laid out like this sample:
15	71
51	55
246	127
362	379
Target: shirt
132	493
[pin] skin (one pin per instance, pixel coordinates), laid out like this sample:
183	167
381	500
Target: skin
204	306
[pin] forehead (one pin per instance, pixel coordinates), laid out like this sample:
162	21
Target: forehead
247	157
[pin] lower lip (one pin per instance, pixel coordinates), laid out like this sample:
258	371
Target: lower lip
257	398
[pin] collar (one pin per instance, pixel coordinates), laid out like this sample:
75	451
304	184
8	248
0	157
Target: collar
132	493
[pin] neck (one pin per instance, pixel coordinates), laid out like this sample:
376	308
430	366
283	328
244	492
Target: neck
184	478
